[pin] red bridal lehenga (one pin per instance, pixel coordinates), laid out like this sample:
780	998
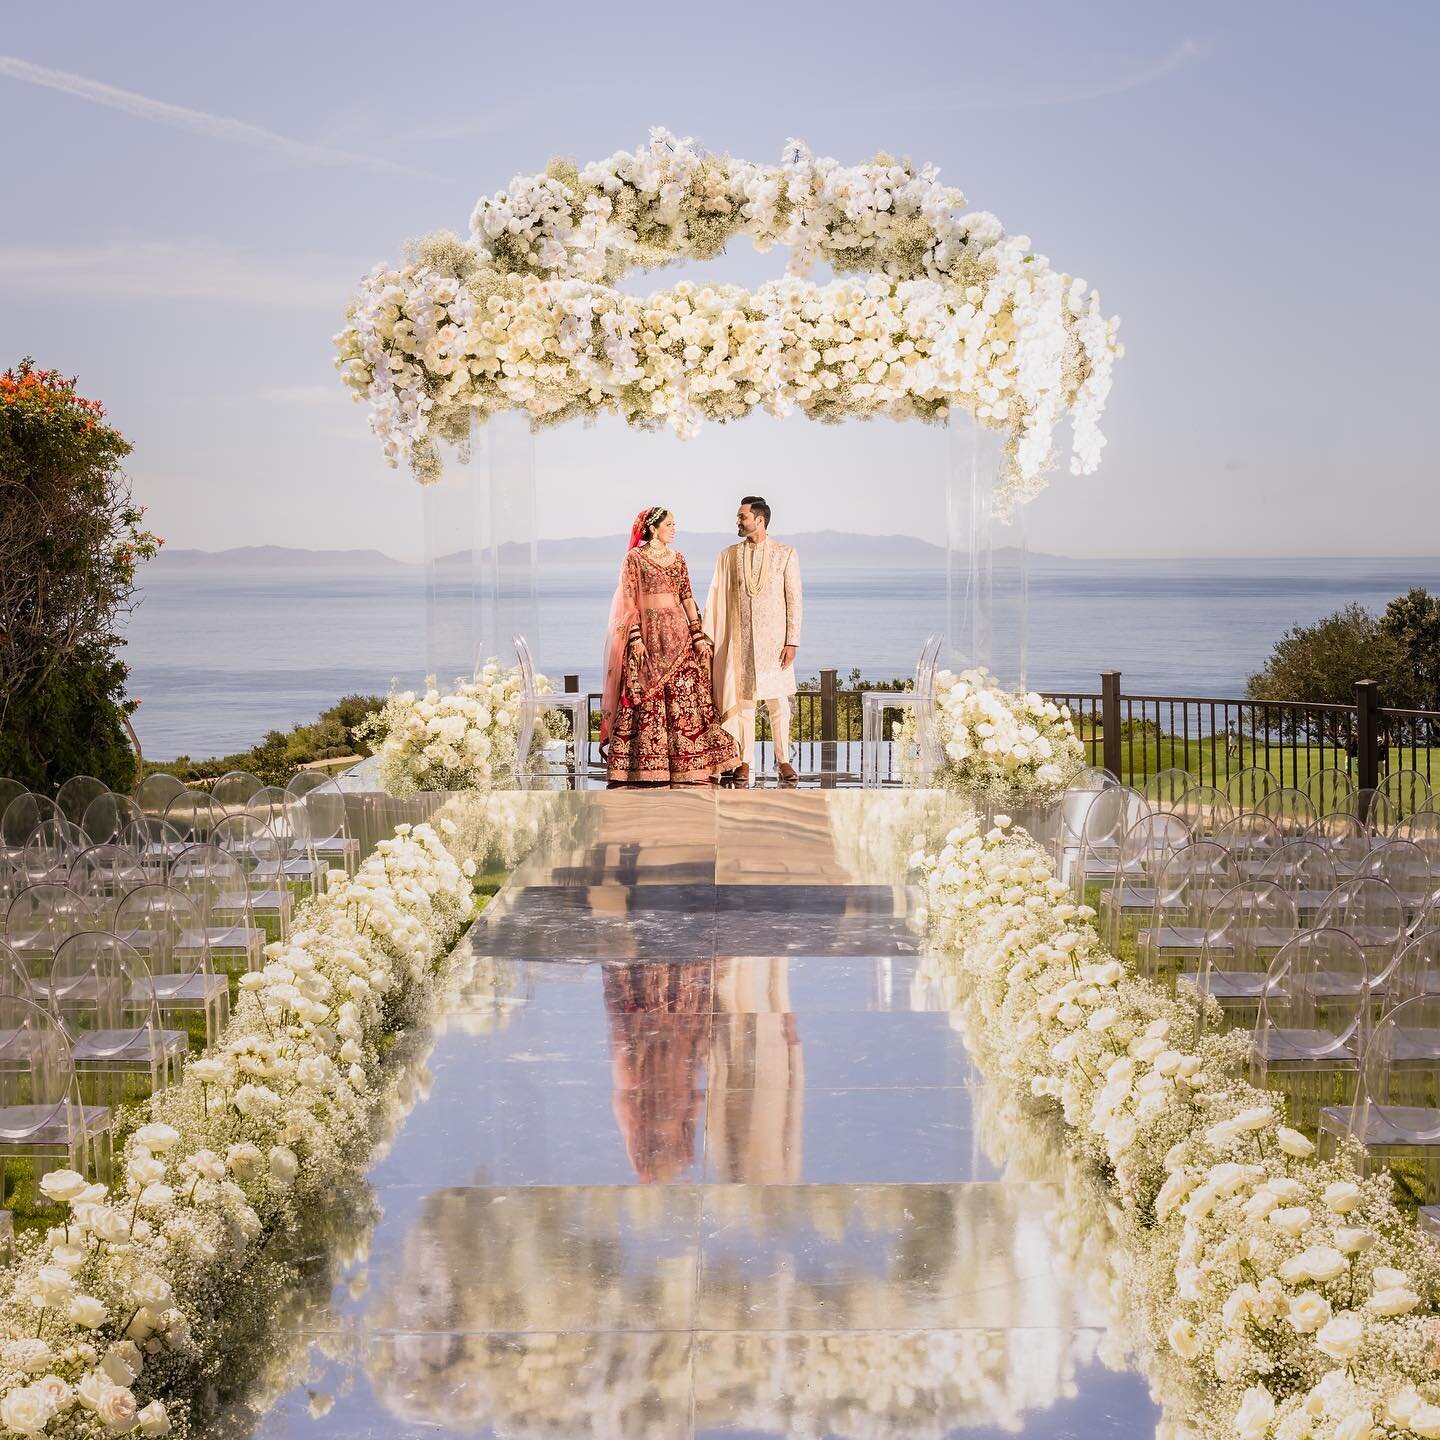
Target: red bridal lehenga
658	715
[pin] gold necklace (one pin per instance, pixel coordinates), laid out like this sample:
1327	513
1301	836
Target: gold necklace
657	553
754	575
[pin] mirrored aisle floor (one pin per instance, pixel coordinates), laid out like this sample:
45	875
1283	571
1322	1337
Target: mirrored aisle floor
701	1157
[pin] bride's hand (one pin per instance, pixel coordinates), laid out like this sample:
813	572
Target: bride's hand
637	649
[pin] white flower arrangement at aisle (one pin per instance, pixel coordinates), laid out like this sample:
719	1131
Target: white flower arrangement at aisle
950	313
464	739
113	1308
1288	1299
1000	747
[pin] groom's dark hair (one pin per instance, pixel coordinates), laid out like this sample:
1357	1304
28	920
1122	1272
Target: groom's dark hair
759	507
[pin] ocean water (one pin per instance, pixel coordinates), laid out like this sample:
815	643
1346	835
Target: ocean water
221	654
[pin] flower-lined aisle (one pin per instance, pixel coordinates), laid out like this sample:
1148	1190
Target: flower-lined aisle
118	1316
1282	1297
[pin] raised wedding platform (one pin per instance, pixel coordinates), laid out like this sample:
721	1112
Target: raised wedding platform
697	1152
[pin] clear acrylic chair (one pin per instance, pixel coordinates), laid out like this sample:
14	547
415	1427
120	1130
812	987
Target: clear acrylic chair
1423	828
1405	868
49	850
41	918
75	795
107	817
104	875
1395	1117
1188	886
10	790
23	817
1247	927
232	791
1246	788
165	927
102	994
322	823
1408	791
1382	814
260	856
1129	890
1300	866
533	706
281	813
1109	815
1346	836
1330	790
194	815
1292	811
42	1120
1204	809
1164	788
216	884
920	699
1074	806
155	792
1249	837
1370	912
1310	1033
155	842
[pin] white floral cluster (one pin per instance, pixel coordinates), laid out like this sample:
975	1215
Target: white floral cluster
464	739
118	1301
1000	746
1294	1302
955	313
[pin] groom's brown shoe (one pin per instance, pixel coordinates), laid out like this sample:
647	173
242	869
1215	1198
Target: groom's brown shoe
740	776
788	774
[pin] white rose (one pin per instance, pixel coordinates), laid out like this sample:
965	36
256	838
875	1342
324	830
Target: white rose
27	1410
1292	1142
145	1170
122	1362
1319	1262
153	1419
117	1408
1291	1221
86	1310
91	1388
1397	1301
1257	1410
1184	1339
1351	1241
158	1136
1342	1337
152	1290
63	1186
1308	1312
1386	1277
1356	1426
1343	1196
284	1164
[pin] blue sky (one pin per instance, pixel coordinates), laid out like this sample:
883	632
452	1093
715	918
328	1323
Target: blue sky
1251	187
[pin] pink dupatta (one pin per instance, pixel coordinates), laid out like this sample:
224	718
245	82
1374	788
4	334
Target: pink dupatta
624	613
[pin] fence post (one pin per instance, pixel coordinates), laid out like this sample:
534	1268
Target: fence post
1110	719
1367	739
829	727
572	684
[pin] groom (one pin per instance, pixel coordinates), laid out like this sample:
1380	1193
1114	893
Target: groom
753	615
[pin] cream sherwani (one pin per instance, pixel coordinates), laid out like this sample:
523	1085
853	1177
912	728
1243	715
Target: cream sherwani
752	612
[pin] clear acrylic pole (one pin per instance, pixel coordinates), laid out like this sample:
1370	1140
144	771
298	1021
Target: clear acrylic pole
451	515
987	559
512	534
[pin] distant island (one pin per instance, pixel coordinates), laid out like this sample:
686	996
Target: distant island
825	548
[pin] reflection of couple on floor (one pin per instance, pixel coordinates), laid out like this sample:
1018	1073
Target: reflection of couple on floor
671	1024
681	691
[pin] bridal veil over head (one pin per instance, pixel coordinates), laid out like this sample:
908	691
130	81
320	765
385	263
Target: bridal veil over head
624	612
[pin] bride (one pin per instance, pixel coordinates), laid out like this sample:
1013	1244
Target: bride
657	718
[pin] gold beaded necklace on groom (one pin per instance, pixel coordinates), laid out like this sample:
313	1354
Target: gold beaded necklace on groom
754	574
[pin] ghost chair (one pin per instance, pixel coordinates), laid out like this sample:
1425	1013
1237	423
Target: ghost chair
1189	884
76	794
1405	868
41	918
42	1119
166	928
107	817
1311	1028
102	993
1395	1117
1302	868
155	792
1129	890
232	791
216	884
1204	809
1292	811
919	699
1247	927
104	875
1246	788
259	855
1108	817
1371	913
1330	790
1165	788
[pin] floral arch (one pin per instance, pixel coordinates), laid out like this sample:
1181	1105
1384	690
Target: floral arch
936	309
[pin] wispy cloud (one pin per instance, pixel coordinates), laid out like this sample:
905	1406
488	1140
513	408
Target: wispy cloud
1025	97
164	269
197	122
